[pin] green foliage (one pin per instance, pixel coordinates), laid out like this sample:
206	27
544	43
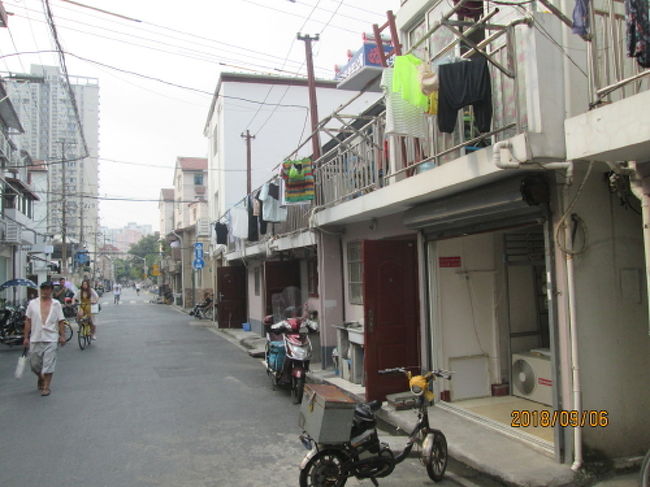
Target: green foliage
147	248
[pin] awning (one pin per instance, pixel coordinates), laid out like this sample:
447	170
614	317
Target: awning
503	204
26	190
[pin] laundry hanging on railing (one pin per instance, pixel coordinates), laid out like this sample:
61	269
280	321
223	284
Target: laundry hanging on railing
239	217
402	118
271	210
299	180
221	230
261	220
253	231
429	86
406	81
637	19
463	84
581	19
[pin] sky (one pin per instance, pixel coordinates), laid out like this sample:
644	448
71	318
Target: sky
146	124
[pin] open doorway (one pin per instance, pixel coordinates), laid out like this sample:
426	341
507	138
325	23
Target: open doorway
491	325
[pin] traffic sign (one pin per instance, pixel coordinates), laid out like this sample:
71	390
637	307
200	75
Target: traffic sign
198	264
198	251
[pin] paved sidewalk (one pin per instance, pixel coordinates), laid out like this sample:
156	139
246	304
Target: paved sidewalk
497	456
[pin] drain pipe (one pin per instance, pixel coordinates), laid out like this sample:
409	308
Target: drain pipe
180	239
514	163
637	189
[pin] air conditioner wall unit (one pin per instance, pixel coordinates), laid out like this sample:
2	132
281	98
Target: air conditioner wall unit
531	377
12	233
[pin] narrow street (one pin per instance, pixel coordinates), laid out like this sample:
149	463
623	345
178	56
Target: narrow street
155	401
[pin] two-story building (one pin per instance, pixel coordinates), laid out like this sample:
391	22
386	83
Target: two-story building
494	231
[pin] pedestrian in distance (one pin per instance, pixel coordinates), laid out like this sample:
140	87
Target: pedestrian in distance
117	290
44	331
60	292
86	296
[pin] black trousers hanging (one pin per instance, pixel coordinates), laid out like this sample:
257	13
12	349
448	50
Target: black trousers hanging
462	84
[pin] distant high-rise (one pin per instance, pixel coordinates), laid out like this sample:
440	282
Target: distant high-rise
51	131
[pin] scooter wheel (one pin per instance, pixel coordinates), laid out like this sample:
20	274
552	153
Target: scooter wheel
325	469
297	388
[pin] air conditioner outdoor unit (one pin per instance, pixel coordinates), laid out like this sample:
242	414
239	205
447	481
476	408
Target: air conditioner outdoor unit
531	377
12	234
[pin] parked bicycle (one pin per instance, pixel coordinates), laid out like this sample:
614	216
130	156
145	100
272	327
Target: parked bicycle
84	333
363	456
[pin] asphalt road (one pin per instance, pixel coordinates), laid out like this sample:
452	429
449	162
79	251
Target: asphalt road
157	400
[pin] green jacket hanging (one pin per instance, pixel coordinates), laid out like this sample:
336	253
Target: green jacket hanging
406	81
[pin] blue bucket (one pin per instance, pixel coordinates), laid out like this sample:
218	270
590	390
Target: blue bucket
246	326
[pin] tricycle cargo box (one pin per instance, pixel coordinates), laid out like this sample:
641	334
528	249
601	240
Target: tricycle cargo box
326	413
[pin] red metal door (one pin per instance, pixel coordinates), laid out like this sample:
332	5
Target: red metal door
231	300
279	277
391	313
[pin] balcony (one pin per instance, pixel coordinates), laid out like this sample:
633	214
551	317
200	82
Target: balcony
355	175
615	128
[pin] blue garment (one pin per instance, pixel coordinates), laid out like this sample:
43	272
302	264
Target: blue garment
581	18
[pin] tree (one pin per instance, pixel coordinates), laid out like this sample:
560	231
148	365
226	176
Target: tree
147	248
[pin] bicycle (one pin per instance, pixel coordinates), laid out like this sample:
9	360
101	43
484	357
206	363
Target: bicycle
84	334
363	456
68	332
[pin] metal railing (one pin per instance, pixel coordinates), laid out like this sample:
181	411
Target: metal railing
612	75
368	159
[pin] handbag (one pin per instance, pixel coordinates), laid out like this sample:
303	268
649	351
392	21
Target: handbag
20	366
94	308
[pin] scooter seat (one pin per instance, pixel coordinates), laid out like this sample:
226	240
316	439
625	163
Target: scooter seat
366	411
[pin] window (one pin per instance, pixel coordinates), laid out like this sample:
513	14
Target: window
258	276
355	283
312	277
198	179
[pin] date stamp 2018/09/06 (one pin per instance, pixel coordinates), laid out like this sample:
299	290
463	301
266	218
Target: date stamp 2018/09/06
545	418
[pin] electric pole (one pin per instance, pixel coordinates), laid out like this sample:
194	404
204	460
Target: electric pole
248	138
64	250
313	103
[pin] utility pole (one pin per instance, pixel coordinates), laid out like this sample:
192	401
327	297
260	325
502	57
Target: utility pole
81	205
248	138
64	250
313	103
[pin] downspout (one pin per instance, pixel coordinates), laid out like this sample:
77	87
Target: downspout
636	185
180	239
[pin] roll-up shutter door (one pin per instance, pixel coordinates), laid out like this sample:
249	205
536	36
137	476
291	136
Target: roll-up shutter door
503	204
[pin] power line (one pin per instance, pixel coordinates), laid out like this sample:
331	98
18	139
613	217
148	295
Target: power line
64	69
159	80
190	53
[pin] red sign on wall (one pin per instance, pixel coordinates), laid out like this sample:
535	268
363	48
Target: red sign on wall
449	261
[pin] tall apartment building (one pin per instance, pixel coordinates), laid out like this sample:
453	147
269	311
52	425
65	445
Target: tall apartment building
52	132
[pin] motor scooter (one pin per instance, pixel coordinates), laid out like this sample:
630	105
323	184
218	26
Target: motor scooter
288	352
363	455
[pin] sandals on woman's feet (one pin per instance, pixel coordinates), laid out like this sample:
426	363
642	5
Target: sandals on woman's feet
45	392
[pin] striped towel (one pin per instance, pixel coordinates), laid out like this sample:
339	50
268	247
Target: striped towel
299	180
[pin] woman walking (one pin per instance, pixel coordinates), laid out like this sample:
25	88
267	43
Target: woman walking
87	297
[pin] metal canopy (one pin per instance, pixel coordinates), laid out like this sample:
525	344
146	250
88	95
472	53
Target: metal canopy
504	204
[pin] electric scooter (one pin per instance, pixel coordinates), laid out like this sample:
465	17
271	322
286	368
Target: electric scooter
364	456
288	352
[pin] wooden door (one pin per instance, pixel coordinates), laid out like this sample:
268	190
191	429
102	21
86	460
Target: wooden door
231	296
391	313
278	277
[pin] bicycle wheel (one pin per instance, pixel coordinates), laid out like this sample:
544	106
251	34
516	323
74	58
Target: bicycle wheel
81	336
436	463
67	332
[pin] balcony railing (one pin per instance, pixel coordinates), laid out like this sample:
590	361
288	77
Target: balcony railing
368	159
613	75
